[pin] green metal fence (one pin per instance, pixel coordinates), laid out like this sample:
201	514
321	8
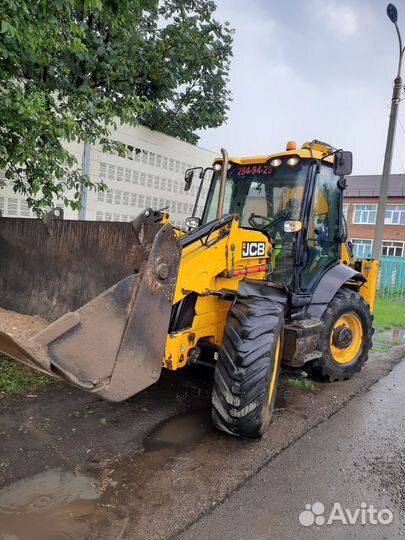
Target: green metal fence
391	278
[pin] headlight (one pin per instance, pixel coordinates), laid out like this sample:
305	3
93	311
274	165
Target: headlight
275	162
218	166
293	161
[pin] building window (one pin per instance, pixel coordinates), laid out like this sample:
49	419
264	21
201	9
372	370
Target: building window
128	174
117	198
345	210
144	156
12	206
362	248
365	214
25	211
395	214
392	249
111	172
130	152
120	174
103	170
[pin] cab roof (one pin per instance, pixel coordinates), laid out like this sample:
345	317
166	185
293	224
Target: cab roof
319	150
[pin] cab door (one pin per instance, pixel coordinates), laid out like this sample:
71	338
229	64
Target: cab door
322	245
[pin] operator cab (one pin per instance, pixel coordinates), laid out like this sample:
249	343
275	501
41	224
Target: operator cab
280	195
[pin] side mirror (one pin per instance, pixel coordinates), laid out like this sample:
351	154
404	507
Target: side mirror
189	176
292	225
192	222
343	163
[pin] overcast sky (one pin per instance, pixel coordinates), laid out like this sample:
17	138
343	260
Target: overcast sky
311	69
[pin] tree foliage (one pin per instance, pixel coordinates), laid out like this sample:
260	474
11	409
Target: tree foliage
70	70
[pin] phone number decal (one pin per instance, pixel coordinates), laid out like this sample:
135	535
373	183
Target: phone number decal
254	169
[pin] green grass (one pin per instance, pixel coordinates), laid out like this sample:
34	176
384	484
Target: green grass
303	384
388	314
18	379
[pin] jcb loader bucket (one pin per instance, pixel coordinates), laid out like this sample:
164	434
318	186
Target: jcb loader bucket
106	290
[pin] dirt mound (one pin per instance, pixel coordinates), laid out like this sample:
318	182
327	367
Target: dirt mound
21	326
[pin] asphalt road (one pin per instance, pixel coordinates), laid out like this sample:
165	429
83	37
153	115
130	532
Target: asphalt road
77	467
356	459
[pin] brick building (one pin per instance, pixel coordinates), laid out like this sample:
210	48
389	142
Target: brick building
360	209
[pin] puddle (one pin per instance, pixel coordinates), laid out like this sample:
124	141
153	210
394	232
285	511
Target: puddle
58	505
181	431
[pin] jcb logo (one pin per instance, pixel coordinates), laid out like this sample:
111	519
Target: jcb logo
253	249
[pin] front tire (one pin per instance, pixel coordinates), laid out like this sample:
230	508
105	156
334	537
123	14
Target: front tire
248	366
346	337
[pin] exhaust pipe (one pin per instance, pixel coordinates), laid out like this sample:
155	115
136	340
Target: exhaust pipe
224	174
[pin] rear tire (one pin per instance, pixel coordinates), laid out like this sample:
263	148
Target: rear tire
248	366
340	360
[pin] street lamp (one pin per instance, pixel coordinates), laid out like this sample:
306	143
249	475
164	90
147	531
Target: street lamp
385	179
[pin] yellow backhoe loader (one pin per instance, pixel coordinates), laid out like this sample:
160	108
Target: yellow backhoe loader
265	276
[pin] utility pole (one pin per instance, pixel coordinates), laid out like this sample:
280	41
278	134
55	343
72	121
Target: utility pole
385	179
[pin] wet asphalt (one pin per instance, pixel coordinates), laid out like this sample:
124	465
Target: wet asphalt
75	467
353	461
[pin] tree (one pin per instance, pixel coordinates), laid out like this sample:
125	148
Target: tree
70	69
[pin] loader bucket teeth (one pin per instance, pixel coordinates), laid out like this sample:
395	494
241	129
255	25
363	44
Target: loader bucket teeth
113	344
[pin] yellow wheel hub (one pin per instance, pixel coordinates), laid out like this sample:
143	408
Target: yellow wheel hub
275	369
346	338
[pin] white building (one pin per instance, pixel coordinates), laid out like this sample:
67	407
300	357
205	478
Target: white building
151	175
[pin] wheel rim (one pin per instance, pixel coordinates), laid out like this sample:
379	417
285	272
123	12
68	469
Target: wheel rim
275	369
346	338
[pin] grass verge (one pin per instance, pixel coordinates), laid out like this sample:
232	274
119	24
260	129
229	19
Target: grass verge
18	379
388	314
304	384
